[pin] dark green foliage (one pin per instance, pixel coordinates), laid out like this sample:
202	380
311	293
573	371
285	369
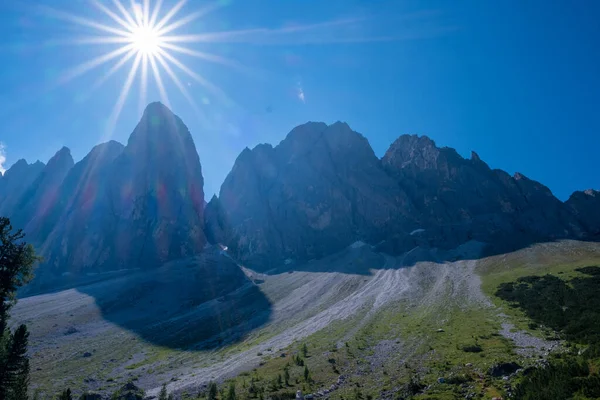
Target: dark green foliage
412	388
212	391
163	393
472	349
129	392
16	262
286	376
572	308
65	395
458	379
279	381
231	392
299	361
304	350
560	380
306	374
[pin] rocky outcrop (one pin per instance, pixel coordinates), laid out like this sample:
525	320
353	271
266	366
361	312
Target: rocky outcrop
216	224
319	190
322	188
36	205
586	207
15	181
461	199
134	206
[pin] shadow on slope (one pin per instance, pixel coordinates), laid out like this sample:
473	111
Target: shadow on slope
192	304
361	258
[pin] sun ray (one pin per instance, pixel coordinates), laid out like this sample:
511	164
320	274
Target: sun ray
159	82
177	82
155	12
113	69
83	21
122	96
169	15
111	14
187	19
205	56
124	11
138	12
258	35
88	40
93	63
143	83
146	9
213	88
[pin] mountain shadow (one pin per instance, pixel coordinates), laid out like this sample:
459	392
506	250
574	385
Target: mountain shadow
193	304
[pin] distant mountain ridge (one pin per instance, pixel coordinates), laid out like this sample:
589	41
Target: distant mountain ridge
319	190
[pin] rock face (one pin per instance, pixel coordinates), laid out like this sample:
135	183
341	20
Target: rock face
317	191
15	181
35	206
216	224
586	207
320	190
461	199
121	207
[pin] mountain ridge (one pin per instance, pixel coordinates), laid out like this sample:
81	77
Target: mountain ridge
319	190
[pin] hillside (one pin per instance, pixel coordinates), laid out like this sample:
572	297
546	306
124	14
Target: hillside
381	323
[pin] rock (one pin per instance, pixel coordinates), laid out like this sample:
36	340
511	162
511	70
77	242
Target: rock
71	330
441	380
90	396
87	354
504	369
585	206
128	392
440	330
138	205
15	181
320	190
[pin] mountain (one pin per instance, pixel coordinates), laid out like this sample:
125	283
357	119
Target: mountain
34	207
461	199
15	181
586	207
121	207
317	192
322	188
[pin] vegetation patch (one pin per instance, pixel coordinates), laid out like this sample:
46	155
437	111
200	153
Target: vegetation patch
572	308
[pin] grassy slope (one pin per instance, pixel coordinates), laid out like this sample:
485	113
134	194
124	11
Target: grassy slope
412	345
379	350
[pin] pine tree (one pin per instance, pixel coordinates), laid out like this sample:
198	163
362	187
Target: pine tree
16	262
279	380
212	391
66	395
304	350
231	392
286	376
163	392
306	373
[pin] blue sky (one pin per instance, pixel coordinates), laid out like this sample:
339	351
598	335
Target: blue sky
516	81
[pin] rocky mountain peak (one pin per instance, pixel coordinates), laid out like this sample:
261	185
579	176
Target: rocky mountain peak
62	158
412	151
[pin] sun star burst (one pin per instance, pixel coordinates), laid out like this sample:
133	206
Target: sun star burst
142	36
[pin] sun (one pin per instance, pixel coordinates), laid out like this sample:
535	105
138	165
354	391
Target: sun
146	40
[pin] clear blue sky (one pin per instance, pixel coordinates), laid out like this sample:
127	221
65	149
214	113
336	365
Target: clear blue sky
516	81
